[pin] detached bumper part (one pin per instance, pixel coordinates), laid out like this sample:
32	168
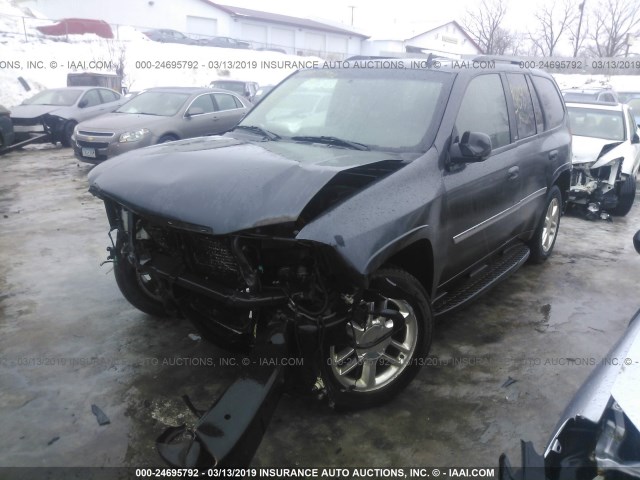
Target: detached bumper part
229	433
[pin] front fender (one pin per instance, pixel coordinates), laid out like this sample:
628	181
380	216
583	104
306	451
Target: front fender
370	227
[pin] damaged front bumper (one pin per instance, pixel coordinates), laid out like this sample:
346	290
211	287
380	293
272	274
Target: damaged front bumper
593	187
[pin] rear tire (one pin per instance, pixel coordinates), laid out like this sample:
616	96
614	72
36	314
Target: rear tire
362	378
544	238
626	196
139	290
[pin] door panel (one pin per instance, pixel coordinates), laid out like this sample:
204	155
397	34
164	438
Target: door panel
481	197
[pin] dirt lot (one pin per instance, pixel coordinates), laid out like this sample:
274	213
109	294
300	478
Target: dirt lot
68	340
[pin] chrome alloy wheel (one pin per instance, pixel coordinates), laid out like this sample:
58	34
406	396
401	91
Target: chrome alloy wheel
550	227
383	354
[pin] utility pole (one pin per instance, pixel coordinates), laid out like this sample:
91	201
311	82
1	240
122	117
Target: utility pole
352	7
577	39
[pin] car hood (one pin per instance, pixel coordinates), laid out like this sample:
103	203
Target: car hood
122	122
34	111
589	149
225	184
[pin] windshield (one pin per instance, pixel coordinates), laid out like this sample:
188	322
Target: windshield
384	109
164	104
232	86
587	122
62	97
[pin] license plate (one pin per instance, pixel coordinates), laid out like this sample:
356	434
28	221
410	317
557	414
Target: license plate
89	152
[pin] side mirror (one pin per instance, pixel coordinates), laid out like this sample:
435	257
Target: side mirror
636	241
635	138
83	103
472	147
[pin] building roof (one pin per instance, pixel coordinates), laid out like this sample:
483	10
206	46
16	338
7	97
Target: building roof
458	26
408	32
283	19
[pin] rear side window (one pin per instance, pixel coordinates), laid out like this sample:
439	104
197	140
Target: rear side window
607	97
525	118
225	102
550	101
484	109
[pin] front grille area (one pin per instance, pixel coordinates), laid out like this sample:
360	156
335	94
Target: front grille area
96	134
205	255
212	256
26	121
82	143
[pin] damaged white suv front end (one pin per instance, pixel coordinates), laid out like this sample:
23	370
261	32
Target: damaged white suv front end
606	158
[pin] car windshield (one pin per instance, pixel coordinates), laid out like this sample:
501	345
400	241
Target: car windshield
382	109
236	87
63	97
588	122
164	104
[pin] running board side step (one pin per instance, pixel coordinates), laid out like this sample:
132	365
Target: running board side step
482	280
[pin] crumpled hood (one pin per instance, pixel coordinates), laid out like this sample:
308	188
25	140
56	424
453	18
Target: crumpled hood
223	183
587	150
34	111
121	122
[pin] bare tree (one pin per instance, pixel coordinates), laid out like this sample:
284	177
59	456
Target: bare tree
613	21
484	25
553	21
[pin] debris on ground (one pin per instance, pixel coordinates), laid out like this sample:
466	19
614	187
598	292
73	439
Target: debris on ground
100	415
508	381
53	440
195	337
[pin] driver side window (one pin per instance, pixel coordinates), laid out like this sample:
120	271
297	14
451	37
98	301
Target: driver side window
484	109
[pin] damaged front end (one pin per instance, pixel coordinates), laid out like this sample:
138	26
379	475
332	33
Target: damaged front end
593	187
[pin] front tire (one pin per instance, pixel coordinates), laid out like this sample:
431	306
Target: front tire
365	377
139	289
67	133
626	196
544	239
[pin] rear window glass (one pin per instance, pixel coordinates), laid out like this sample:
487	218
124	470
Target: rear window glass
552	105
525	119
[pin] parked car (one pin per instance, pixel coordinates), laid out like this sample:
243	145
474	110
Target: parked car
412	193
246	89
78	26
598	434
634	104
603	94
626	97
606	158
166	35
223	42
6	129
58	110
158	115
272	49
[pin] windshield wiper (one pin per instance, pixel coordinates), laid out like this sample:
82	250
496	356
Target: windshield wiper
260	130
332	141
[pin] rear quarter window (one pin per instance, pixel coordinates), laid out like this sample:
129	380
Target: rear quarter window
550	101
